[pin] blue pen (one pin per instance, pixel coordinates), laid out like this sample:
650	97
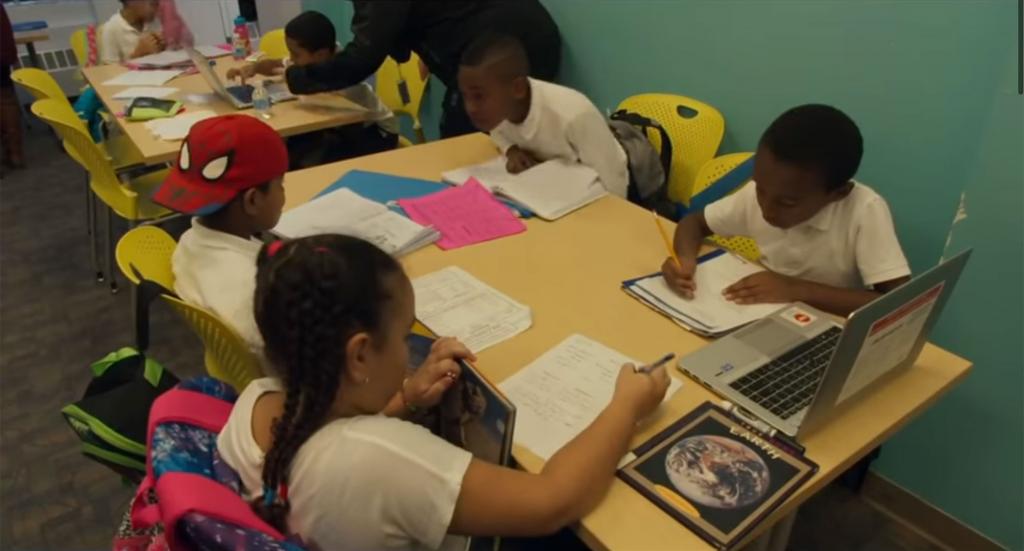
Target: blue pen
651	367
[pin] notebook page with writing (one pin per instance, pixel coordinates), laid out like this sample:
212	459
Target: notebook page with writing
554	188
453	303
560	393
708	306
491	174
347	213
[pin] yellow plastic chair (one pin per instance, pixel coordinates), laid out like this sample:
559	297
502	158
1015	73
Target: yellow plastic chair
390	75
79	45
272	44
709	174
149	249
694	128
130	202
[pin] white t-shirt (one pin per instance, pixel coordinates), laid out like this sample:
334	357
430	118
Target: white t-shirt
564	124
118	39
850	243
367	482
217	271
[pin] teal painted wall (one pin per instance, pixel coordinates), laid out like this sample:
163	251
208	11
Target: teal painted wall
932	85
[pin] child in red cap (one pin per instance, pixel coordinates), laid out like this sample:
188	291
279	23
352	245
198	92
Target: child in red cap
229	175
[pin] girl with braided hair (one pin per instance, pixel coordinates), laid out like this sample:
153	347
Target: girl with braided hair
319	453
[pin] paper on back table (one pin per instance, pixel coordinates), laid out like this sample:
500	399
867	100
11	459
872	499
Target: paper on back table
143	78
453	303
560	393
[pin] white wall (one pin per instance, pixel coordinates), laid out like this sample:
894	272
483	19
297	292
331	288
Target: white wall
274	14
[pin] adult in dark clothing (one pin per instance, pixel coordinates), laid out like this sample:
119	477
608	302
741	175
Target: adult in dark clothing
437	31
10	115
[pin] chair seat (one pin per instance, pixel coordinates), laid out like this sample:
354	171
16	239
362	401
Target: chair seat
147	209
121	152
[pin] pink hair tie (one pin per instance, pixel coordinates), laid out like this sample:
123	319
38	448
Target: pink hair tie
273	247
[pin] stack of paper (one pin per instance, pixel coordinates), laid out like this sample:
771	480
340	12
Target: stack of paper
144	92
464	215
143	78
177	127
551	189
561	393
175	58
452	303
348	213
708	312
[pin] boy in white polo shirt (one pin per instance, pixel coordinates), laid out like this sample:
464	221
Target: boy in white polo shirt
824	238
533	121
229	175
131	32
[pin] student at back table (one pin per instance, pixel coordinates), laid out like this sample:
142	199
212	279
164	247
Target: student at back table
131	32
533	121
824	238
310	39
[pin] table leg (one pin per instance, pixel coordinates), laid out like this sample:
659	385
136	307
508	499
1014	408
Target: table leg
32	55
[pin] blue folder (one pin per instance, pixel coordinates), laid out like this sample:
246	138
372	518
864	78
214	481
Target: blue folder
387	188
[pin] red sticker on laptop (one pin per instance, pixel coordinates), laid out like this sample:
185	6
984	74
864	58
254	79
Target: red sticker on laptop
799	316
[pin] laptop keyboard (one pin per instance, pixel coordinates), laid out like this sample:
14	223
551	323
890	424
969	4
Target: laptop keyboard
242	93
787	384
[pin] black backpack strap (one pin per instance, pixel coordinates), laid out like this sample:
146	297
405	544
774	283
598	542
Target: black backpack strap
146	292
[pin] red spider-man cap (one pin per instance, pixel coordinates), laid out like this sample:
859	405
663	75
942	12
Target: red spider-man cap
220	158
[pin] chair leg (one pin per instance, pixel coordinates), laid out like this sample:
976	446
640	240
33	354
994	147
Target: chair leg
110	251
95	230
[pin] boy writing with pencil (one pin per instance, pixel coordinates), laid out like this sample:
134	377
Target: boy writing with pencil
825	239
533	121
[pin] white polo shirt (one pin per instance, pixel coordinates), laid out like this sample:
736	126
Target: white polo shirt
217	271
564	124
118	39
366	482
850	243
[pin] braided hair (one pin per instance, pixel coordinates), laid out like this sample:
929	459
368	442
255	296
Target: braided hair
311	294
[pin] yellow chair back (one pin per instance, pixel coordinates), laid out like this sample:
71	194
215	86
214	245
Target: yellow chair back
80	47
123	200
694	128
227	357
272	44
389	75
709	174
40	84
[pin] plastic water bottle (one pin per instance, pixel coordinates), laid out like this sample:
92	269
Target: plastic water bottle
261	100
240	48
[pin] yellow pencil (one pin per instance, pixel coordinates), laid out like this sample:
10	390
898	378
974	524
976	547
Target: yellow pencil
664	237
677	501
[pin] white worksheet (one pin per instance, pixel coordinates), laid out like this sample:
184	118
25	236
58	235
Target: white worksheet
560	393
453	303
144	78
145	92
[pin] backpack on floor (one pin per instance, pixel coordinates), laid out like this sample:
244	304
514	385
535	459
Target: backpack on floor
649	169
190	498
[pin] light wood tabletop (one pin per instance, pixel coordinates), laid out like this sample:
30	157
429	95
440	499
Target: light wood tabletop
568	272
290	117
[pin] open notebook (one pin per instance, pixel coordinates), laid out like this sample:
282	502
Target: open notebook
551	189
708	312
345	212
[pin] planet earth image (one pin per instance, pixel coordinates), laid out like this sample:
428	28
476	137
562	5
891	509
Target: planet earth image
717	472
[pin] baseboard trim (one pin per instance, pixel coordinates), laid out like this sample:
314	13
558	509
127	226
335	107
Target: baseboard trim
922	517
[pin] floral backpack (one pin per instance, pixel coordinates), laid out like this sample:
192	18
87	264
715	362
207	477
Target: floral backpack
190	498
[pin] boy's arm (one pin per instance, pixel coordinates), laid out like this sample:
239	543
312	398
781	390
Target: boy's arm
690	233
597	148
771	287
376	27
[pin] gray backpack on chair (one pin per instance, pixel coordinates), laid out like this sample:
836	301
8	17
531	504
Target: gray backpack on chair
648	169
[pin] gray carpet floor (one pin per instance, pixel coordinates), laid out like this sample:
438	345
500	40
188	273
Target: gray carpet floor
55	320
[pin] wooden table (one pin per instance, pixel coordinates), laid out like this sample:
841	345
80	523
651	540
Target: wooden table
569	272
290	118
29	39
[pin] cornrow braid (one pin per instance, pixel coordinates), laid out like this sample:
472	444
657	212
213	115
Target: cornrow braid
311	295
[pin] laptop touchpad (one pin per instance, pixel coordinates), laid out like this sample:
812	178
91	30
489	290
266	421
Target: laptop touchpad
771	338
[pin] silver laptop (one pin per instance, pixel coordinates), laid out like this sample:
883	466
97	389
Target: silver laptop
240	96
795	367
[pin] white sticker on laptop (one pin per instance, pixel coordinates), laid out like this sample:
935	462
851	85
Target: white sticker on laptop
799	316
890	341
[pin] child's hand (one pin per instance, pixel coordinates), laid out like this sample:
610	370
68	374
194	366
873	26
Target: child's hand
642	392
762	287
266	67
437	374
680	276
149	43
519	160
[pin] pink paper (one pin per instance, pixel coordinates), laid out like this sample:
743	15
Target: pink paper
464	215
